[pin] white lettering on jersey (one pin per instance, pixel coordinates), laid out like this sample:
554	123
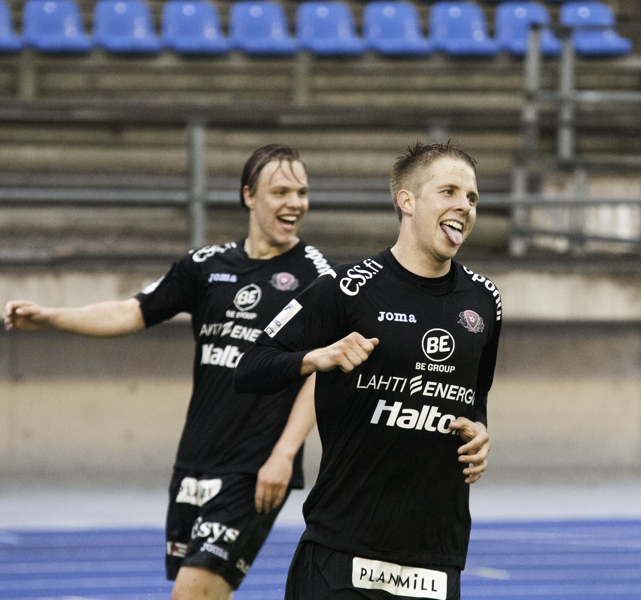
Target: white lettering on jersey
490	287
198	492
410	582
316	256
282	318
410	418
434	389
382	383
224	277
204	253
401	317
220	357
238	332
358	275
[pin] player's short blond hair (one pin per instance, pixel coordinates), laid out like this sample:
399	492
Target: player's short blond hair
405	172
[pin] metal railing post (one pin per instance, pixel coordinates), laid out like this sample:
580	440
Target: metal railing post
518	243
197	133
566	138
577	213
530	115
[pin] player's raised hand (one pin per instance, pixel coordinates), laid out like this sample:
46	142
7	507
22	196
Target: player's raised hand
23	314
346	354
476	450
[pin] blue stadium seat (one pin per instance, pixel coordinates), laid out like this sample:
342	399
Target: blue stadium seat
192	27
394	28
54	26
513	23
260	27
593	33
9	41
124	27
459	29
327	28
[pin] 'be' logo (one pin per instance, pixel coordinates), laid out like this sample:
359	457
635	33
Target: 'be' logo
438	345
248	297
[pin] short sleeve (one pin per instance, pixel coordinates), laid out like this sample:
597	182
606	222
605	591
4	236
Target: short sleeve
173	293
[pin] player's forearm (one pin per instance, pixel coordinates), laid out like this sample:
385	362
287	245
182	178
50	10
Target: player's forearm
300	422
266	370
103	319
480	409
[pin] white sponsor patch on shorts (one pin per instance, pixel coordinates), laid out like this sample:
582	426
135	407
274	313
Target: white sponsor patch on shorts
398	580
282	318
198	492
176	549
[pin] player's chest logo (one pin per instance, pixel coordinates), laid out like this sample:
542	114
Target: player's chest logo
284	282
438	345
248	297
471	321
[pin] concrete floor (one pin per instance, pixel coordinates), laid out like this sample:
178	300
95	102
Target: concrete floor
31	507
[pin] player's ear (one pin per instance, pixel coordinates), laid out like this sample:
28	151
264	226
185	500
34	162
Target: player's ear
249	200
405	201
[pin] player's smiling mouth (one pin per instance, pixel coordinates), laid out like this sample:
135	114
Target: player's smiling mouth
453	224
288	220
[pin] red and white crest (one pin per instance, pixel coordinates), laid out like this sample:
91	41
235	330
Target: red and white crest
284	282
471	321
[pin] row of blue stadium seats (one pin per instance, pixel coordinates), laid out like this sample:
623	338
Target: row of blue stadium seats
260	27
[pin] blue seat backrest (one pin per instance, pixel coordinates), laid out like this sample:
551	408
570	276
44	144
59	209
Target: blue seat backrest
6	22
190	19
457	20
391	20
51	17
262	19
122	18
514	19
586	14
325	20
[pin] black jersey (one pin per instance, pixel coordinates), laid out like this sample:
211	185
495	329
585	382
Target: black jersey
390	485
231	298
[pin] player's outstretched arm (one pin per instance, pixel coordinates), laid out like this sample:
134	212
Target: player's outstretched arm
265	369
103	319
275	474
346	354
476	449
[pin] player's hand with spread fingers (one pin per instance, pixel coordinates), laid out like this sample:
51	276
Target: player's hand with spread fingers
476	449
22	314
346	354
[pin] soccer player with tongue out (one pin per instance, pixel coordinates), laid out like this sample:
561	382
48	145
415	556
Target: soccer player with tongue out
403	418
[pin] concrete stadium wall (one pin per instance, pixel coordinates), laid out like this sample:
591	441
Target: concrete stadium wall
567	393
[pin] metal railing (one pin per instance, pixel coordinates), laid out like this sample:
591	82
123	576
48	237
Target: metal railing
564	101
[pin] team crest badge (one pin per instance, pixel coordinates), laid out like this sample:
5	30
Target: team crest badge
471	321
284	282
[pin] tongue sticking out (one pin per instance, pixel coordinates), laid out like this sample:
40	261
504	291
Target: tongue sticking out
456	237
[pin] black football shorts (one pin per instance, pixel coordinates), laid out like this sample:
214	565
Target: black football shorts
320	573
212	524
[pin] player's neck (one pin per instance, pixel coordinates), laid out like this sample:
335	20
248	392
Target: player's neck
261	249
419	263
